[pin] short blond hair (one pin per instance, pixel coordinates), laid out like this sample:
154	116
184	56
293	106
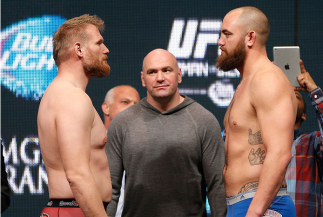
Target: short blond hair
69	30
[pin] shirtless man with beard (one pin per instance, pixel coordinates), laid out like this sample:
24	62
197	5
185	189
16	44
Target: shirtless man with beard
71	133
259	121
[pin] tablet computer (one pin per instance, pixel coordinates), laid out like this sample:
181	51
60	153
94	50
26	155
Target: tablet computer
287	59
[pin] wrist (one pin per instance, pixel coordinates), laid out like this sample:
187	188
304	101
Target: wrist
254	212
311	89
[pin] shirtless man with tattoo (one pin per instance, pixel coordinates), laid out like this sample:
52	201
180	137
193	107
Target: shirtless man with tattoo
259	121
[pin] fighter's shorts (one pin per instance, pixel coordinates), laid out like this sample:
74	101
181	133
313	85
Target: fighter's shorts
282	205
64	208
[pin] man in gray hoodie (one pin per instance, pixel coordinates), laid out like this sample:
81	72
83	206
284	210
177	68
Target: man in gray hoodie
170	148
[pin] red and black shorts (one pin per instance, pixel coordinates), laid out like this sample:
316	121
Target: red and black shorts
64	208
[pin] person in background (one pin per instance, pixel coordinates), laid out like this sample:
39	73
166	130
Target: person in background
304	172
116	100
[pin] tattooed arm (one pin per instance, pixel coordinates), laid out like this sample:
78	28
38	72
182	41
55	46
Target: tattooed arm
274	100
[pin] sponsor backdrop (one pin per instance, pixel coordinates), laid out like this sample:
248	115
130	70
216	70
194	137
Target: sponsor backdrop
189	29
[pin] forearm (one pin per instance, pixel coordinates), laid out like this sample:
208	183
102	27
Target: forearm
116	170
270	181
213	164
215	184
112	208
216	190
87	195
217	199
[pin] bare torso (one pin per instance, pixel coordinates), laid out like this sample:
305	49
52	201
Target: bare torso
245	151
58	184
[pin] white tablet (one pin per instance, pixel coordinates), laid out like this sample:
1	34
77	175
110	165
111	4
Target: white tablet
287	59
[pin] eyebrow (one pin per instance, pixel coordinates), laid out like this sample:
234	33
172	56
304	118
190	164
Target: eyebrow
225	31
163	68
100	40
150	70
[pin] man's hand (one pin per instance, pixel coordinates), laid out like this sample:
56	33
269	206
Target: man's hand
305	80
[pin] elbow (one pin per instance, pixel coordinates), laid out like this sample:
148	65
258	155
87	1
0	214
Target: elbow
285	158
74	177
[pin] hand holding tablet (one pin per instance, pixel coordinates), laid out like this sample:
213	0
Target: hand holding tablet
287	59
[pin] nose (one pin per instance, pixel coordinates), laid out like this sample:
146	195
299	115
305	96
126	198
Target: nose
105	50
160	76
221	41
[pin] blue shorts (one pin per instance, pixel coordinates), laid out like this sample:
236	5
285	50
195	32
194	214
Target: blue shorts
282	205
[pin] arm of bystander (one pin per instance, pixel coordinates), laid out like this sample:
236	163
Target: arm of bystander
307	84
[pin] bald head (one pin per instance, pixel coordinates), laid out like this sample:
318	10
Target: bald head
118	99
252	19
110	96
158	55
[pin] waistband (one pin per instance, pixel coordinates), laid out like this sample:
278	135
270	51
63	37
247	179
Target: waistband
71	203
251	194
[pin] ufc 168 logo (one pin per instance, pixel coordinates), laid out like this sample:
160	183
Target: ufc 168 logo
194	39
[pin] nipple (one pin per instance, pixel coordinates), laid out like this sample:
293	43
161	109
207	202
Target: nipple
234	123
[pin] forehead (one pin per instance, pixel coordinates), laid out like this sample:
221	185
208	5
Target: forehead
230	21
126	92
93	32
159	60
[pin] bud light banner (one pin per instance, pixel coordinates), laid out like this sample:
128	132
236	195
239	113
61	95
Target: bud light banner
27	64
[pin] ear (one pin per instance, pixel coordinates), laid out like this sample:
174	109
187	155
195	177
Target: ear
303	117
142	79
179	75
77	49
105	108
251	38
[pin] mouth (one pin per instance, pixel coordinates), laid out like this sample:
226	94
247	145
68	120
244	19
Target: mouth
160	86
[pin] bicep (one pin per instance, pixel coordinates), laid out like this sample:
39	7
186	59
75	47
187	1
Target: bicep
73	125
114	149
276	113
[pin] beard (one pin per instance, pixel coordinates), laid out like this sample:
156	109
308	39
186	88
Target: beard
96	67
227	62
